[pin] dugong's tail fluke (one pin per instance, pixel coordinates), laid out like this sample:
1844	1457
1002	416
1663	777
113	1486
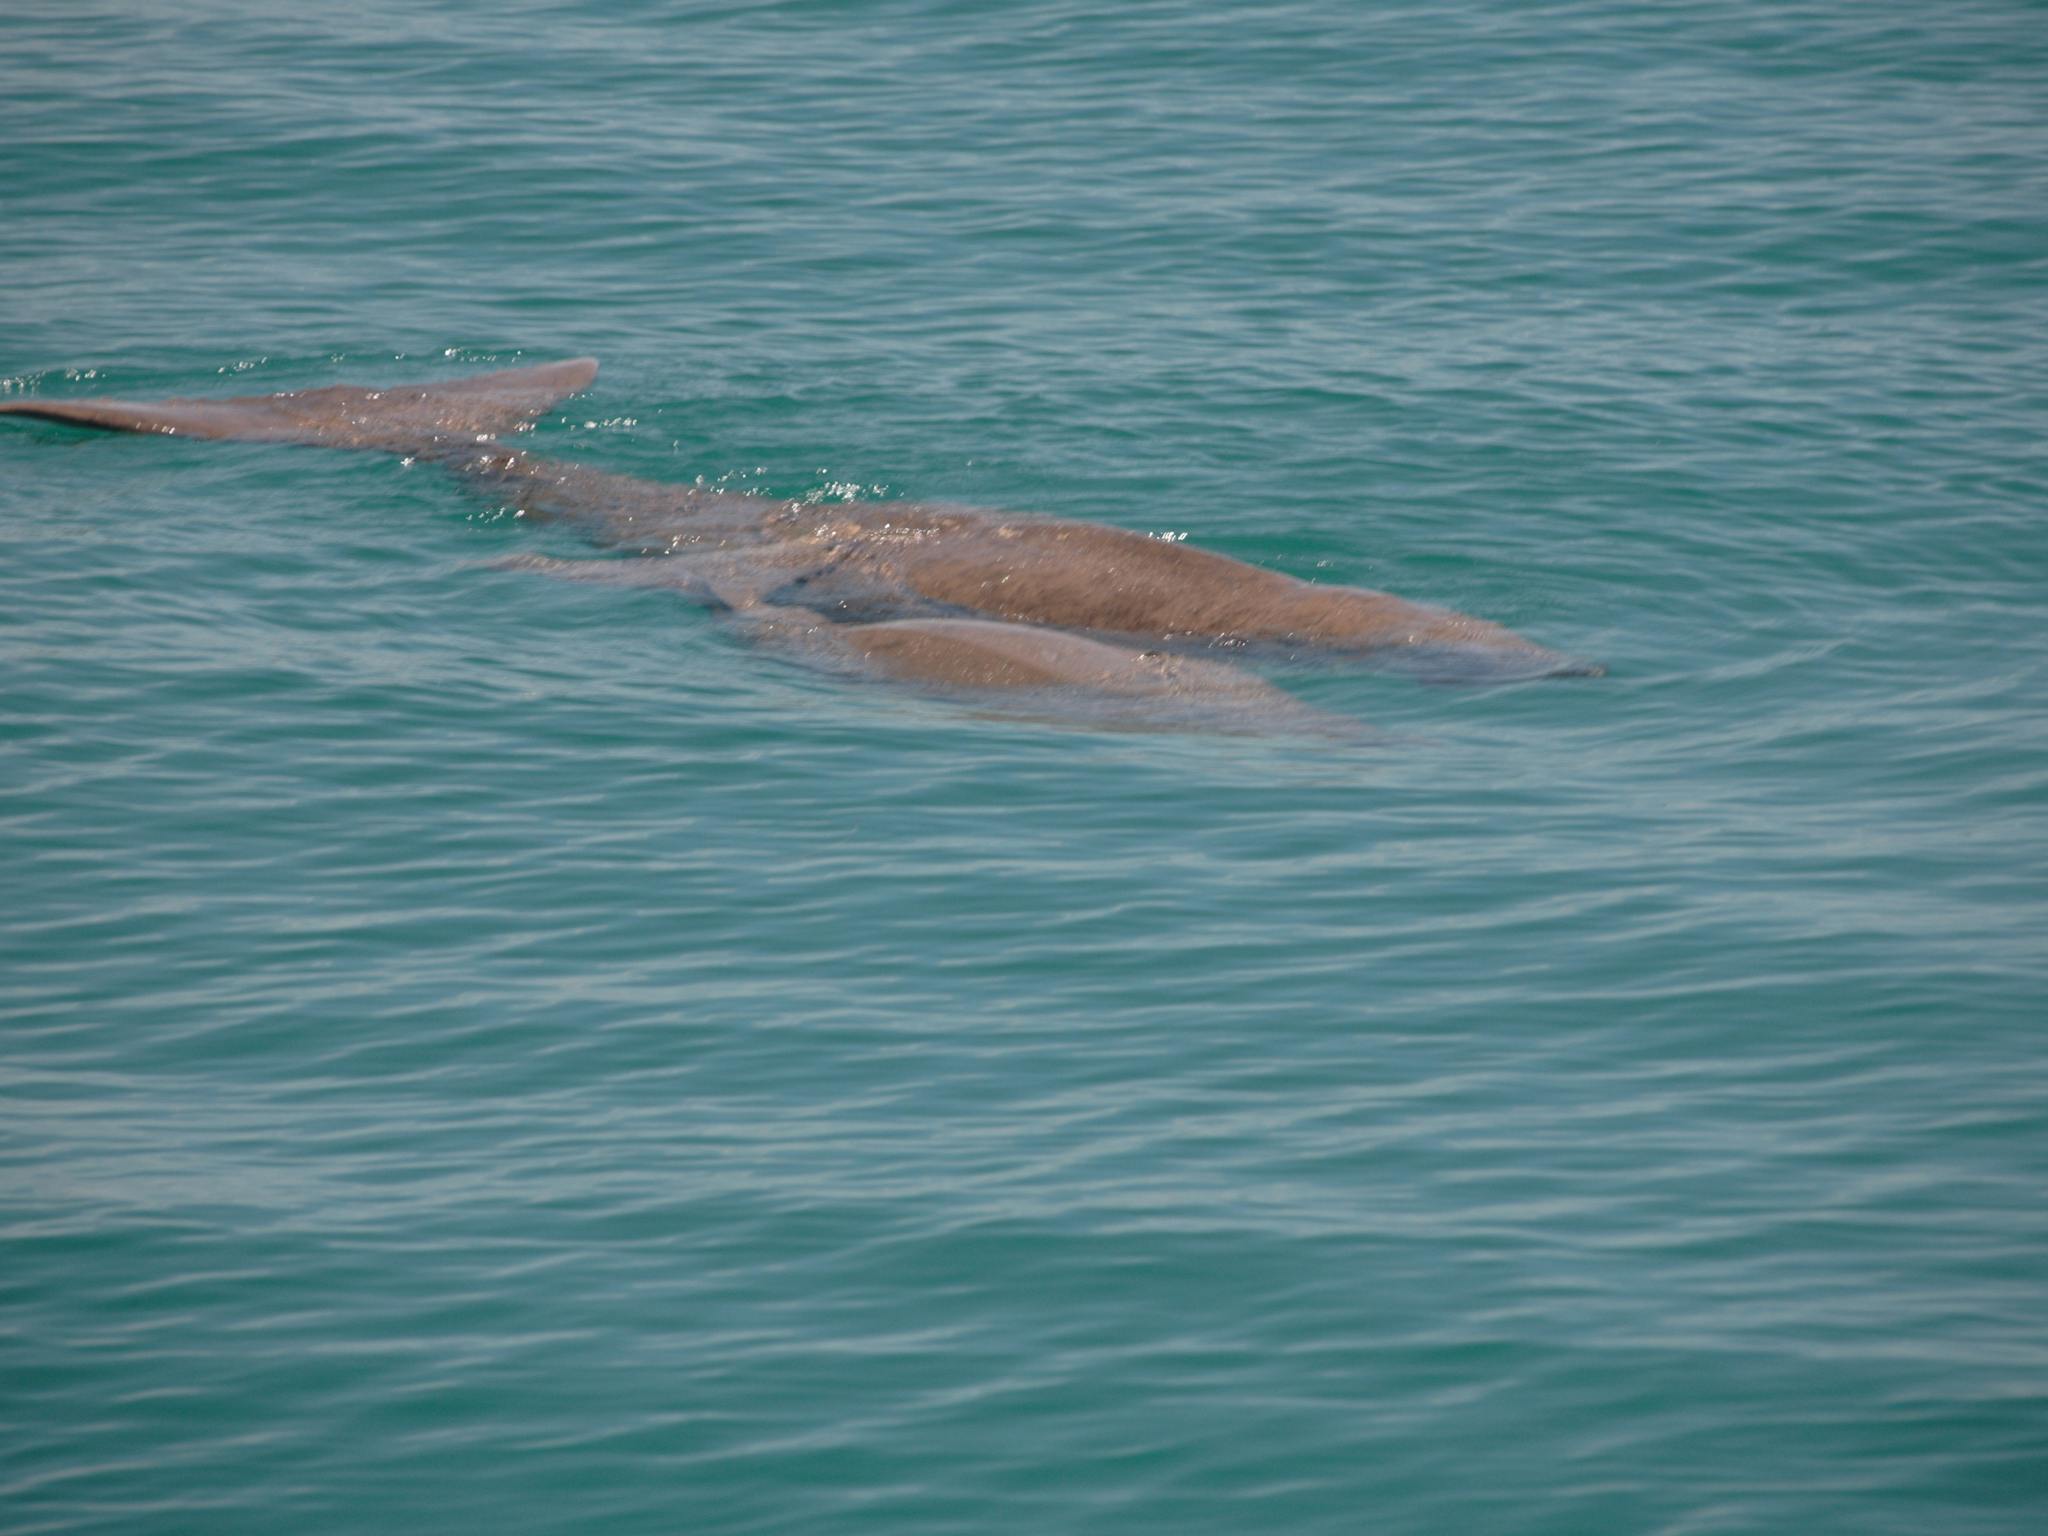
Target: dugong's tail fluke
406	418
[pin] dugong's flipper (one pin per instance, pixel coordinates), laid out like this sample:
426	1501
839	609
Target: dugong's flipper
409	418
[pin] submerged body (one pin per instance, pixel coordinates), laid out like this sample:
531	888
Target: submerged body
949	596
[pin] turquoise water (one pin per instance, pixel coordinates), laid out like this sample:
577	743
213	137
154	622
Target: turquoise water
491	1054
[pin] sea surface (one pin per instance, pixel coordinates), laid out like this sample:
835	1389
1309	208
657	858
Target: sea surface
483	1053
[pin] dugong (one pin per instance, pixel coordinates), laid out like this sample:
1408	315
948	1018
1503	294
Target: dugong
952	597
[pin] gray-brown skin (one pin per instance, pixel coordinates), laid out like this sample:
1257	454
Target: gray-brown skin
944	596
